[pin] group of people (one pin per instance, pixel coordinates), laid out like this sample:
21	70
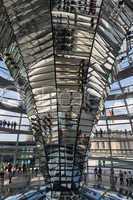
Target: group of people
10	170
124	178
7	124
98	173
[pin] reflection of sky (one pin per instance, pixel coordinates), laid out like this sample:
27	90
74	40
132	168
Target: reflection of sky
13	137
10	94
124	83
4	72
11	98
125	59
114	86
127	85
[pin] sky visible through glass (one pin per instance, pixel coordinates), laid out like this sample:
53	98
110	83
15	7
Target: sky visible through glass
11	98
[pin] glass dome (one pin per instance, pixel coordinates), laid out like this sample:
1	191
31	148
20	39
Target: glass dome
71	63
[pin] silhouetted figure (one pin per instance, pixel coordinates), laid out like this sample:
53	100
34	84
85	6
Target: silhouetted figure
24	168
0	123
130	179
101	132
125	132
8	124
92	22
112	178
9	168
126	178
103	163
4	123
112	112
14	125
36	171
121	177
95	172
1	174
99	174
1	59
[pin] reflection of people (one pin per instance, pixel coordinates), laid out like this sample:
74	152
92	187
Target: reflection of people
112	176
0	123
36	171
2	173
8	124
14	125
9	168
126	132
95	173
1	167
126	178
24	168
101	132
103	163
121	177
99	174
4	123
130	180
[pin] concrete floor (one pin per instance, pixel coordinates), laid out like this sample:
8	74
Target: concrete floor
25	183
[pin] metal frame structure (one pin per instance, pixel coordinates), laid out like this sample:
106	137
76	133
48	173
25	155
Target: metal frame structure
61	54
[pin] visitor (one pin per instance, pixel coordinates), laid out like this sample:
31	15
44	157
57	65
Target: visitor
99	174
8	124
36	171
24	168
9	168
130	179
112	180
0	123
95	173
103	163
1	174
14	125
4	123
101	132
121	177
126	178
